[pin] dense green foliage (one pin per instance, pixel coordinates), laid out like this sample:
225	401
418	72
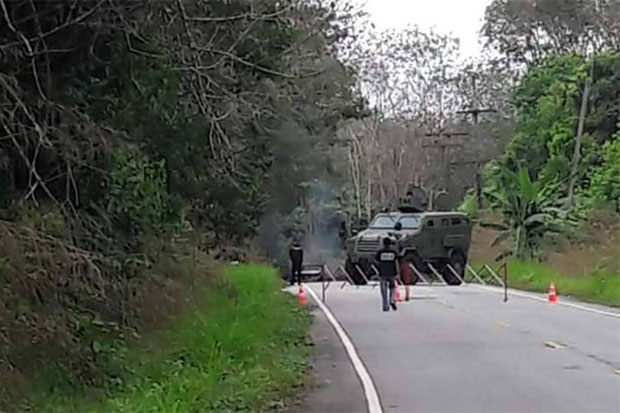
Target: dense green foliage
240	347
138	191
531	210
130	131
529	182
605	179
547	102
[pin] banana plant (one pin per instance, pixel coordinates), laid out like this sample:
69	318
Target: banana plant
530	210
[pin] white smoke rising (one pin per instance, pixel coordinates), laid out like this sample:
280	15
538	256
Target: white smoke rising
315	223
323	240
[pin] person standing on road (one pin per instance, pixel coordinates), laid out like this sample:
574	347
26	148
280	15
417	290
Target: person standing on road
296	254
388	269
405	275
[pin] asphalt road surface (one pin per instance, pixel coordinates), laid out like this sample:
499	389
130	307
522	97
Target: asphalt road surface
461	349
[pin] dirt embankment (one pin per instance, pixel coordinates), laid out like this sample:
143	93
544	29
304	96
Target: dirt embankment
594	246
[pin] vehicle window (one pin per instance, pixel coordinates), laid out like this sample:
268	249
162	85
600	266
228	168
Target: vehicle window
456	221
430	223
445	222
383	222
410	222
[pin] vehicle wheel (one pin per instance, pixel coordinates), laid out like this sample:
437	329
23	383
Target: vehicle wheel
457	261
351	269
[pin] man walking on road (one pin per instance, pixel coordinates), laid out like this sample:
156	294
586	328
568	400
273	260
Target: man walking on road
296	254
388	269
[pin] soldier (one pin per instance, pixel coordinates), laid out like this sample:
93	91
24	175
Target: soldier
388	269
296	254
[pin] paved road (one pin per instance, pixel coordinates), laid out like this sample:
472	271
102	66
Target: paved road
461	349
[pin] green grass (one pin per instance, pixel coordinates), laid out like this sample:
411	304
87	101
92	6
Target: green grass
244	348
602	287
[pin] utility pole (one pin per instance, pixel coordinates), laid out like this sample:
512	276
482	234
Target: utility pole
577	150
443	141
475	112
477	177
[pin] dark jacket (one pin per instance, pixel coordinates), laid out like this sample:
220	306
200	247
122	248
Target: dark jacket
386	262
297	255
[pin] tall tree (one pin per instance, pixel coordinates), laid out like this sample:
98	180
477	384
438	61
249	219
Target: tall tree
527	31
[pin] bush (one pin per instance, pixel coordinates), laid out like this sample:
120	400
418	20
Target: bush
138	191
605	179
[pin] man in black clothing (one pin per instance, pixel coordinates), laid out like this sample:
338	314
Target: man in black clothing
296	255
387	260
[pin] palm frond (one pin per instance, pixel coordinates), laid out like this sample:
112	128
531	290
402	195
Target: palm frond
539	218
503	236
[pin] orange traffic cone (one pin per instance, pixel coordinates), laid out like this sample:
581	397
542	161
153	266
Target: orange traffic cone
552	295
397	296
301	296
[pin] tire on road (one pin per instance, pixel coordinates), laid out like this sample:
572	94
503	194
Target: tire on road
457	261
419	264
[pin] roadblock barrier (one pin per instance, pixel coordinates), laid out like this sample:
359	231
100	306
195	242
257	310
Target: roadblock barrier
419	274
494	275
456	274
437	274
475	274
359	270
486	275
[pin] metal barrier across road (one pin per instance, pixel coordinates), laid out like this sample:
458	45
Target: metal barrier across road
486	275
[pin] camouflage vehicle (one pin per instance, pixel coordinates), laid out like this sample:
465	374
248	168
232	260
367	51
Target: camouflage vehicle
420	237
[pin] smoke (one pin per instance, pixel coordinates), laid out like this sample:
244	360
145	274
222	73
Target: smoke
302	203
315	223
272	239
323	241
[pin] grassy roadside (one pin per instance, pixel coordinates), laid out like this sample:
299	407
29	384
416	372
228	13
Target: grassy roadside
242	348
600	287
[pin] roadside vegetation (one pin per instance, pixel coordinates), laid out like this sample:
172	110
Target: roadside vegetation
239	345
584	265
600	286
135	137
551	199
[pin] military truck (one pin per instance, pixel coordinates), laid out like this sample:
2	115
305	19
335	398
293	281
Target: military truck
420	237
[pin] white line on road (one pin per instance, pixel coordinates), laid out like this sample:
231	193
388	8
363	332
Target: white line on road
533	297
554	345
372	397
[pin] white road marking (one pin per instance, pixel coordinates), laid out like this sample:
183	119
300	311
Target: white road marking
559	302
372	397
553	345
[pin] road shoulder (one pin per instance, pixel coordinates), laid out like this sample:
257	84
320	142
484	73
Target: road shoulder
338	388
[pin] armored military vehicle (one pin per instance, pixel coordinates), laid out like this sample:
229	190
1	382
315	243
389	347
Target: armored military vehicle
420	237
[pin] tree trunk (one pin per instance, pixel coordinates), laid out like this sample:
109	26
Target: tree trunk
354	164
369	200
577	152
478	179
